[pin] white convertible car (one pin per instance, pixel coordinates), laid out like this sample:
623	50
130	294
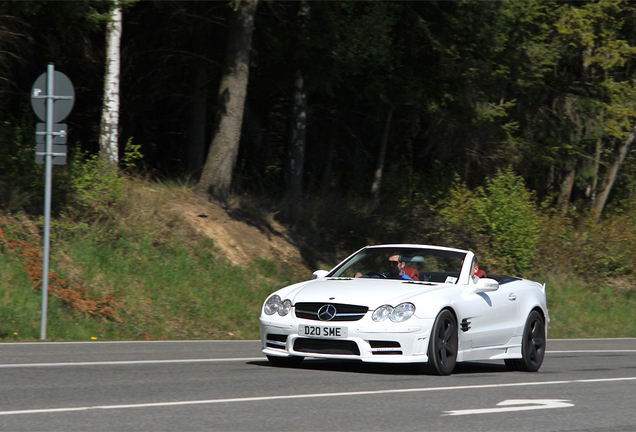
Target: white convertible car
366	309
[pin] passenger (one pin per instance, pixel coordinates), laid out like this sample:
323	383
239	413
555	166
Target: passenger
475	272
396	268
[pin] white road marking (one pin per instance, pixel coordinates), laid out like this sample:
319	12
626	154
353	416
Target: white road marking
128	362
308	396
134	362
515	405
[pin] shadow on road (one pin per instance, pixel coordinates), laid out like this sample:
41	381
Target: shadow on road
353	366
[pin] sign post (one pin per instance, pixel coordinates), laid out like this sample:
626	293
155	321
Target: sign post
52	106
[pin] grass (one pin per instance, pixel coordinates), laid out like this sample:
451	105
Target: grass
180	290
172	291
169	283
584	309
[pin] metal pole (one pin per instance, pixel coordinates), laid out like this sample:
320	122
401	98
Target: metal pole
48	160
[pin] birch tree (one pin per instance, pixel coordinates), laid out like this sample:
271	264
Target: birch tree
108	145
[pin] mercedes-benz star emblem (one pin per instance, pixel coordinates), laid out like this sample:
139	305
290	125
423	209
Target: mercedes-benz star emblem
327	312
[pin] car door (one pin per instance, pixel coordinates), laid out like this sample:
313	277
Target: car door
494	317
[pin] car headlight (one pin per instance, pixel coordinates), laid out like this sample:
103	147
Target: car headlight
382	313
402	312
284	308
274	305
397	314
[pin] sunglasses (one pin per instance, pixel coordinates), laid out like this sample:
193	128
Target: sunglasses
394	263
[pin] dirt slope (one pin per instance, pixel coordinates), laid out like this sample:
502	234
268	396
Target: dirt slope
240	236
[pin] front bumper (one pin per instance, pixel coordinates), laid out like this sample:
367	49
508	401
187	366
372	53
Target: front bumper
384	342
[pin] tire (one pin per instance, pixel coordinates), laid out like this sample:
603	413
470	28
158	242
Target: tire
532	346
292	361
442	346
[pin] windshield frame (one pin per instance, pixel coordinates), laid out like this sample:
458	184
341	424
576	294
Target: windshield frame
421	257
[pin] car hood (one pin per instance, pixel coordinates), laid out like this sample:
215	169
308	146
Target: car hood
363	291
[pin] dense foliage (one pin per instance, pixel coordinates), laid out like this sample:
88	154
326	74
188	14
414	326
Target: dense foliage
505	127
472	87
140	273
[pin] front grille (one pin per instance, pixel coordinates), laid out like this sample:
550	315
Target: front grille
325	346
344	312
276	340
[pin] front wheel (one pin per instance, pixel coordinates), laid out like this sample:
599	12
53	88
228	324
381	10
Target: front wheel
532	346
443	345
292	361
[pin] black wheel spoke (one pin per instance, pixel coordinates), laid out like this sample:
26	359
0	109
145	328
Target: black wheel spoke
532	354
536	327
449	331
442	356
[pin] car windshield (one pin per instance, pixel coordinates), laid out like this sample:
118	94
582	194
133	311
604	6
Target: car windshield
432	265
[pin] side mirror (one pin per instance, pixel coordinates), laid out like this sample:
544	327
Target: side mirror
486	285
318	274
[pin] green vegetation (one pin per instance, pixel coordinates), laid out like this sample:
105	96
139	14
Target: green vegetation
500	220
166	281
583	309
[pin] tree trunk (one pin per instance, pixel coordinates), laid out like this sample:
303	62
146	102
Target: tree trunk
612	173
198	108
331	152
299	115
299	138
108	138
216	177
566	191
377	180
597	164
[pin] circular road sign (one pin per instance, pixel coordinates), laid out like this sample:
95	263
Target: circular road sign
62	86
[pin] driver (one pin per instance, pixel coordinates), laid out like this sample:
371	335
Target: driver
396	268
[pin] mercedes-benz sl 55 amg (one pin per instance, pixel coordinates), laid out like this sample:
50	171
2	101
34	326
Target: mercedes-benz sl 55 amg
432	310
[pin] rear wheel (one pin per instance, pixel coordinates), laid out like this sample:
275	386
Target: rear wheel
532	346
292	361
442	346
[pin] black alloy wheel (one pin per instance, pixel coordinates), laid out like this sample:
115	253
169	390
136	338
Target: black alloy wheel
532	346
443	345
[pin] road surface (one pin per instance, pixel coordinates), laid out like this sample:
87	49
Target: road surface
584	385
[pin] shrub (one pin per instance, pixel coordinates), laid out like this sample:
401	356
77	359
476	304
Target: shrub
21	179
499	222
590	248
95	183
511	221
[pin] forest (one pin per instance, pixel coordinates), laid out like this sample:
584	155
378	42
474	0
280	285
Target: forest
501	126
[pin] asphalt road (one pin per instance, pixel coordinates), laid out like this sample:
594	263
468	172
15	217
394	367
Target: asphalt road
584	385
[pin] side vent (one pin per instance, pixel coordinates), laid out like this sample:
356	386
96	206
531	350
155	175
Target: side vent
465	325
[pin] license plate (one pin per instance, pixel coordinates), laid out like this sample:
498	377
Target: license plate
323	331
